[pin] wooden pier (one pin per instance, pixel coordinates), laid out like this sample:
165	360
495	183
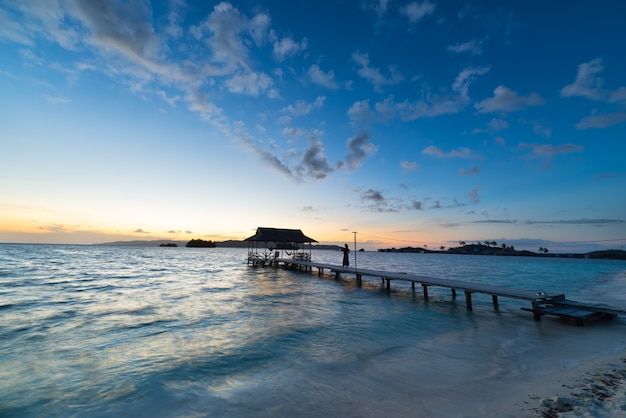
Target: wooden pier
541	303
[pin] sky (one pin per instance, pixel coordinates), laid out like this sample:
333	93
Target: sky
409	123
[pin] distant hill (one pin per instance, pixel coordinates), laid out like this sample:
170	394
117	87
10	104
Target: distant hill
219	244
144	243
480	249
200	243
473	249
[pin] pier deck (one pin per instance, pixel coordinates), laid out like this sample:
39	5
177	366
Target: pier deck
541	303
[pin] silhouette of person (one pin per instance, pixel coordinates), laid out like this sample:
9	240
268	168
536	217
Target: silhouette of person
346	251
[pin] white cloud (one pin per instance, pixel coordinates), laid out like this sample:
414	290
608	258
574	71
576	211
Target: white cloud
462	152
414	11
302	107
430	106
408	165
13	30
465	78
293	132
174	28
56	99
471	172
259	28
321	78
472	47
541	130
250	83
587	83
618	96
498	124
359	148
314	162
601	121
124	29
473	195
361	111
549	150
287	47
378	6
505	100
375	75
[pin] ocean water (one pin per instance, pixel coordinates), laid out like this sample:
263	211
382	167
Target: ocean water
97	331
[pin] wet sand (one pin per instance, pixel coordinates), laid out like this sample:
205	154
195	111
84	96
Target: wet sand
595	389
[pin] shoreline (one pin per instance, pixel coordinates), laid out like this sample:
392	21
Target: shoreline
594	388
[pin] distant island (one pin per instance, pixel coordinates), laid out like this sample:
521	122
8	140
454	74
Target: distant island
482	249
200	243
469	249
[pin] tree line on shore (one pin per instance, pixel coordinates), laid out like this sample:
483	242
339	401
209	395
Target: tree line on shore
492	248
484	248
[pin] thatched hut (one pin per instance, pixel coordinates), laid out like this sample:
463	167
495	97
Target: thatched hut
270	244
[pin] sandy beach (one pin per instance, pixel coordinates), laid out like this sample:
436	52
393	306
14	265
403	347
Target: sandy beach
595	389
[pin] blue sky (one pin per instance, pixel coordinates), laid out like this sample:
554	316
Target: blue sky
410	122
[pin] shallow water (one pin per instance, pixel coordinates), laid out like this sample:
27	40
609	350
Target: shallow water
89	331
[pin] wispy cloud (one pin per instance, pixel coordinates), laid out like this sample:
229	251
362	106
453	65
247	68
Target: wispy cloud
321	78
549	151
302	107
435	105
314	162
415	11
596	222
590	85
462	152
376	202
286	47
601	121
375	75
473	47
473	195
471	172
359	148
505	100
56	99
587	83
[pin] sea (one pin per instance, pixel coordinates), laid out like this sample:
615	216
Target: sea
118	331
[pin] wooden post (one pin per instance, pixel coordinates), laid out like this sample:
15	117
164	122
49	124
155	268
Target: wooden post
536	313
468	300
358	279
495	301
413	286
425	290
388	284
453	293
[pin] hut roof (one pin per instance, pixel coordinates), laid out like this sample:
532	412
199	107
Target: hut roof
279	235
